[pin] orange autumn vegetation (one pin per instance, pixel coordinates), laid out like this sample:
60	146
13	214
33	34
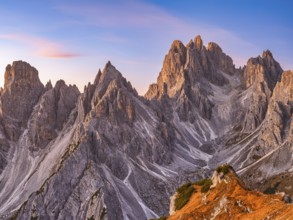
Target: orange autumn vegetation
232	200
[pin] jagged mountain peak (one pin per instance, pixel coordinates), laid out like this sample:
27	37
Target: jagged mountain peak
188	65
198	42
108	64
111	76
212	46
97	78
48	85
267	54
108	74
106	82
220	59
20	72
262	69
111	72
110	93
61	87
108	79
260	77
22	89
59	84
177	45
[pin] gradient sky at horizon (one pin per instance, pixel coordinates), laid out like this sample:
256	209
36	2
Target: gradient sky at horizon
71	40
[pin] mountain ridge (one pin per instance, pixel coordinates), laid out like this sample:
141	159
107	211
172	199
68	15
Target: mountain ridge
130	152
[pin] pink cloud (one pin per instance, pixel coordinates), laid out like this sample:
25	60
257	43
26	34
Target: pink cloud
42	46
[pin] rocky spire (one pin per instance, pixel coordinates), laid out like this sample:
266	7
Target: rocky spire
110	96
279	114
263	69
20	72
109	73
198	42
22	89
261	74
189	64
220	59
48	85
267	54
98	76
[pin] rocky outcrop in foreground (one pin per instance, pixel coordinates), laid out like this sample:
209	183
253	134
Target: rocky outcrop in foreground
228	198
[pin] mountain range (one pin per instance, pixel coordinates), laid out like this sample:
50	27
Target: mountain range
109	153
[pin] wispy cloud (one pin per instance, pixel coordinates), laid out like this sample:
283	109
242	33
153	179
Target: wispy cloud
43	47
119	14
158	24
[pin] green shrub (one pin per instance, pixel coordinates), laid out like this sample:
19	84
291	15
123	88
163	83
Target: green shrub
184	193
205	188
224	169
205	183
202	182
161	218
183	187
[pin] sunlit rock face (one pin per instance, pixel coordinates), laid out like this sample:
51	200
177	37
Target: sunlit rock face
22	89
261	75
185	65
273	147
109	153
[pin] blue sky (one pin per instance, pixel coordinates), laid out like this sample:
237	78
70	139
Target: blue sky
71	40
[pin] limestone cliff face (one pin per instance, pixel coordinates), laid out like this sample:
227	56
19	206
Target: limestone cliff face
171	78
275	139
220	59
261	75
186	74
280	112
264	69
55	106
22	90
